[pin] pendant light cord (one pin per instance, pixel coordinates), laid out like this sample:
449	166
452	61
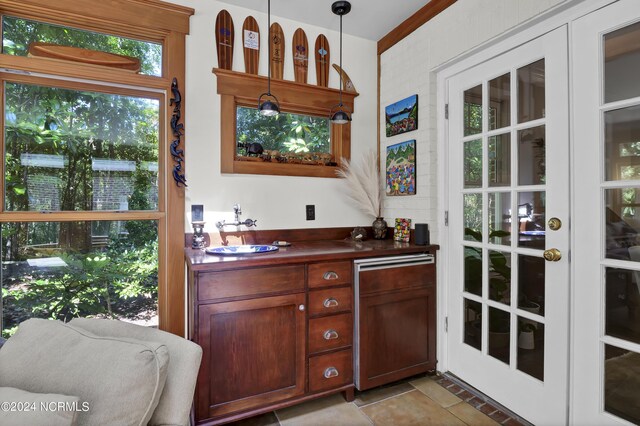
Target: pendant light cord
340	59
270	40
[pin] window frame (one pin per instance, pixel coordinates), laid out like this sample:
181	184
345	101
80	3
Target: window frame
145	20
240	89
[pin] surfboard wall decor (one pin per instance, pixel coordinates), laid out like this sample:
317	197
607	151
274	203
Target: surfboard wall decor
322	54
224	40
277	51
251	45
300	50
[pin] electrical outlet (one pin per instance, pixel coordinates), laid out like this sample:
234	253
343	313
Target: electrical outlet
311	212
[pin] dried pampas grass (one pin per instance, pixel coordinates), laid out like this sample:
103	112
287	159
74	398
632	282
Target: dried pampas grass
363	183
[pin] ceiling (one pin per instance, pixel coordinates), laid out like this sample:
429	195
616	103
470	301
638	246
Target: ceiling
370	19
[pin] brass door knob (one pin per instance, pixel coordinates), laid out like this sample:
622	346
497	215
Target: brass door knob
554	223
552	255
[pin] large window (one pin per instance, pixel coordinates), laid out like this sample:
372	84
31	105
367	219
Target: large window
87	217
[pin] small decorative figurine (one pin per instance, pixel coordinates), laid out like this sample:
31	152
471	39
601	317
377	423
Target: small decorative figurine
358	234
198	235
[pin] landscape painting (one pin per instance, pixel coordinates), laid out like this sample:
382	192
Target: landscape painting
402	116
401	168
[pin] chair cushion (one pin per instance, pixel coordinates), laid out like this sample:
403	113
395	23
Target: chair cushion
37	409
177	396
121	379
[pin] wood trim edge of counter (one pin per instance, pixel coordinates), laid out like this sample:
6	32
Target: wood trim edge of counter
268	236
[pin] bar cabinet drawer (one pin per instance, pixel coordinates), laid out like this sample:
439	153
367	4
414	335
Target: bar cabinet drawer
331	370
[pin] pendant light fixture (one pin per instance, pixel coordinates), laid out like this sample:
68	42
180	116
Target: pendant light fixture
340	116
268	108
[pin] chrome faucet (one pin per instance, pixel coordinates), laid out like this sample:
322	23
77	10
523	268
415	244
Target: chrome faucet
237	210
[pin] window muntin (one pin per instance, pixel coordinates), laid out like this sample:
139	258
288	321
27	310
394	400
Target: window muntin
18	33
287	133
79	150
62	270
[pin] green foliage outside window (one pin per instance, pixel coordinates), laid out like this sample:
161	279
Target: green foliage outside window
285	132
18	33
118	277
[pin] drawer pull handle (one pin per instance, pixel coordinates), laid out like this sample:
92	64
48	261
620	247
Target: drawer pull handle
330	335
330	302
331	372
301	308
330	275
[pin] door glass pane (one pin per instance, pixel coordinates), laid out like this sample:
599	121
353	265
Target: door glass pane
531	277
500	218
622	383
472	323
500	102
473	270
79	150
531	347
472	217
499	334
531	88
500	160
531	156
19	33
473	111
622	225
63	270
622	143
500	276
473	164
622	303
531	219
621	63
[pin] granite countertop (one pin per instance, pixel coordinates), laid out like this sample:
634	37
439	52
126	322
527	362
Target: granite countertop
306	251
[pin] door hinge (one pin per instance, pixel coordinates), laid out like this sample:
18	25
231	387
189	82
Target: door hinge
446	324
446	218
446	111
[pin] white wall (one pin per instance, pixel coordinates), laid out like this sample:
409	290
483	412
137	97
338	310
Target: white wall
276	202
405	70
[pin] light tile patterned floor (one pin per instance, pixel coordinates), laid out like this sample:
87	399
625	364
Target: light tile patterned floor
420	401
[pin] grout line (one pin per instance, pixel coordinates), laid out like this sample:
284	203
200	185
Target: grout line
384	399
277	418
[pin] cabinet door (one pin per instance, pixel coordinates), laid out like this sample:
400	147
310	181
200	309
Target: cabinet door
253	354
397	336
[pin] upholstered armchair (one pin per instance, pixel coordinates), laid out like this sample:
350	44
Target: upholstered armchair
97	372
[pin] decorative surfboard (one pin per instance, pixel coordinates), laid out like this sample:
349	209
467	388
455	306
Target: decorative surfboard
300	49
347	84
322	60
224	40
251	45
277	51
85	56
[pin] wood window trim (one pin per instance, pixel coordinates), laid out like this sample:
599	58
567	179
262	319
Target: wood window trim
240	89
147	20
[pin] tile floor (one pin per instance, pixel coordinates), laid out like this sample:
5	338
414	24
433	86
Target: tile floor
418	401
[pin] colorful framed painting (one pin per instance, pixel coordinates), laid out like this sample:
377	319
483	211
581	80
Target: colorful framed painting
401	168
402	116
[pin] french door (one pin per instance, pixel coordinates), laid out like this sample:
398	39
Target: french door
508	189
606	129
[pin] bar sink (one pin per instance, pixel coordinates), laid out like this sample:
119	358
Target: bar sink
241	249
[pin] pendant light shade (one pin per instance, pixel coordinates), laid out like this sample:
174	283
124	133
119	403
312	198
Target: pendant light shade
340	116
268	108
